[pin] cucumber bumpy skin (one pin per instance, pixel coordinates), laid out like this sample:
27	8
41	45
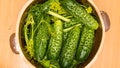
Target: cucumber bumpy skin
77	11
85	45
69	49
40	42
55	41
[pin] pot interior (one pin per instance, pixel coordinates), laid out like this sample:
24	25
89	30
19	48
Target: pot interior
96	45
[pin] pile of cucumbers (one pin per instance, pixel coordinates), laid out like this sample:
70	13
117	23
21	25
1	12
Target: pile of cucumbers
59	33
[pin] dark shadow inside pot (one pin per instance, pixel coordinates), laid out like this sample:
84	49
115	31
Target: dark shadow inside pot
97	40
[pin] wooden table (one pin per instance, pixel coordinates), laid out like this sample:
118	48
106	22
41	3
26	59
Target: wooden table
108	58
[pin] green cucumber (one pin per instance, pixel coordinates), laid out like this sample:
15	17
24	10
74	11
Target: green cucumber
77	11
85	45
69	49
55	43
41	38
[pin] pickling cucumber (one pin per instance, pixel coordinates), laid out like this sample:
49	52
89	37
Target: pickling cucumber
76	10
41	41
85	44
55	43
69	49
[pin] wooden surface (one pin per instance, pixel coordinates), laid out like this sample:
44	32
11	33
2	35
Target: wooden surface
108	58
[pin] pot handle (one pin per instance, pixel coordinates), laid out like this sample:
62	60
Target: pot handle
13	43
106	20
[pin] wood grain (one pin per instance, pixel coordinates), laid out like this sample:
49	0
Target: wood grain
108	58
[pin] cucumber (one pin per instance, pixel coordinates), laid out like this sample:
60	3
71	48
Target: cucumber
55	41
41	38
77	11
69	49
85	45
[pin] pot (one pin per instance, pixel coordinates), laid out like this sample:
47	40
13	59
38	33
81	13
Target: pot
104	22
